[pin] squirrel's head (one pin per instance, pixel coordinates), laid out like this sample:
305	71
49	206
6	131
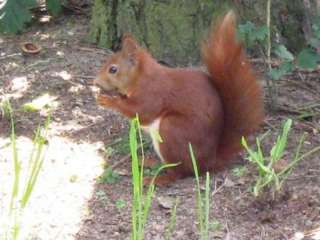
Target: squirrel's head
118	74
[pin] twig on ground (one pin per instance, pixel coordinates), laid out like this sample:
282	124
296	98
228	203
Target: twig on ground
84	76
269	124
309	105
95	49
303	235
288	109
119	162
40	62
216	190
302	85
126	157
10	55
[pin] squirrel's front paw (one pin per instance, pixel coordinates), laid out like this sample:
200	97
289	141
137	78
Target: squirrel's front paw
105	101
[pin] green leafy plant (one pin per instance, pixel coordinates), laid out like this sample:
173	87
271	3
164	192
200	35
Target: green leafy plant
120	204
203	201
153	170
15	14
54	6
108	151
5	109
268	176
239	171
251	35
109	176
260	37
23	188
101	195
172	223
121	146
307	58
215	225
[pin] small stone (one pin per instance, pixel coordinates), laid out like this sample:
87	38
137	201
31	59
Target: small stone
157	227
166	202
123	172
229	183
298	236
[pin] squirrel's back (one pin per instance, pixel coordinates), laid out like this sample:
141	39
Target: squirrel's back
236	83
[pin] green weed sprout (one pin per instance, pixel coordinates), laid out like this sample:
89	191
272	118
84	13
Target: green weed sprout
20	195
203	202
142	200
5	109
268	177
172	223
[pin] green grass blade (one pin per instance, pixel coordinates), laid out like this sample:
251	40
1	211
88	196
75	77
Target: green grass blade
150	192
138	127
199	197
135	180
260	160
309	153
16	163
281	143
255	157
286	171
172	222
207	207
141	201
32	181
36	162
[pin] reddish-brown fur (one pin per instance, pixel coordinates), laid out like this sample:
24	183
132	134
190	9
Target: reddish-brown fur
236	83
212	112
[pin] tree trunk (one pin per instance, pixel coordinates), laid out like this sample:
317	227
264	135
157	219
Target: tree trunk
174	30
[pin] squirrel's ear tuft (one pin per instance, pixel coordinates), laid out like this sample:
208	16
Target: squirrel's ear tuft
129	44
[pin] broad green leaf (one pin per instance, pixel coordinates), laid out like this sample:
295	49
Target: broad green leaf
250	34
278	149
109	176
246	28
245	31
14	14
54	6
283	69
317	32
308	59
316	27
283	53
260	33
121	204
314	42
28	3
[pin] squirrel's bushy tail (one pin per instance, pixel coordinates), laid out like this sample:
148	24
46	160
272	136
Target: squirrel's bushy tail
236	83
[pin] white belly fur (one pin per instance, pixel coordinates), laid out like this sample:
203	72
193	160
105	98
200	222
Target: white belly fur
154	128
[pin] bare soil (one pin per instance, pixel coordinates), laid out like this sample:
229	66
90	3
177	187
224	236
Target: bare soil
70	202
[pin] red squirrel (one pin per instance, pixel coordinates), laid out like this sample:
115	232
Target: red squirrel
212	111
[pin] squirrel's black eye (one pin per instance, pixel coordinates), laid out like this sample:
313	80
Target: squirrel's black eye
113	69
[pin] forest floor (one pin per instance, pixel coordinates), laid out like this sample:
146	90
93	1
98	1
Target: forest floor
72	201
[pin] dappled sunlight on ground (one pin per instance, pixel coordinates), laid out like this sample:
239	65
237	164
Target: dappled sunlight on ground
64	186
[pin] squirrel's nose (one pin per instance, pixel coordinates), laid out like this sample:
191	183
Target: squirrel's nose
98	82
